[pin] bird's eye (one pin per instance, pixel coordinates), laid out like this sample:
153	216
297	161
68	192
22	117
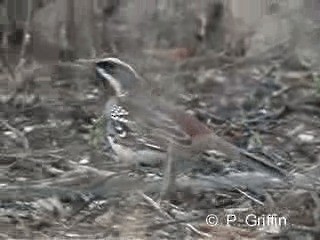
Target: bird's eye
106	65
120	75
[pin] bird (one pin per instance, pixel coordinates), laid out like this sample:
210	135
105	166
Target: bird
143	124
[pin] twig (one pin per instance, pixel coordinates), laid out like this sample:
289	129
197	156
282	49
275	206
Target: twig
163	213
5	62
243	60
287	89
250	197
302	228
26	35
20	134
35	154
273	169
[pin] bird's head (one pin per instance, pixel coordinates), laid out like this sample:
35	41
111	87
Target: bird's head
118	74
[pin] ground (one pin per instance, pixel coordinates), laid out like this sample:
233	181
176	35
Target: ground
59	178
55	173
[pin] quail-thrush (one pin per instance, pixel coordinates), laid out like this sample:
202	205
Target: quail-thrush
141	124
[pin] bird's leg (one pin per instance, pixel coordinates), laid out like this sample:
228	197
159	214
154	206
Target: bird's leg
170	172
179	159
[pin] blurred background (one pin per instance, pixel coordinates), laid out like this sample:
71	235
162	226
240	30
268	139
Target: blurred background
249	69
66	30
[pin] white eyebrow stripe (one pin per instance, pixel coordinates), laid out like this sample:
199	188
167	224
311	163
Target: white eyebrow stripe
118	61
115	84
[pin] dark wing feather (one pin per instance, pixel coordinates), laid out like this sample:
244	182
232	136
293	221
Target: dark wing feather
154	123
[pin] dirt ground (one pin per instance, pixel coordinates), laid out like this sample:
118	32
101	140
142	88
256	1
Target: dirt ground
59	179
